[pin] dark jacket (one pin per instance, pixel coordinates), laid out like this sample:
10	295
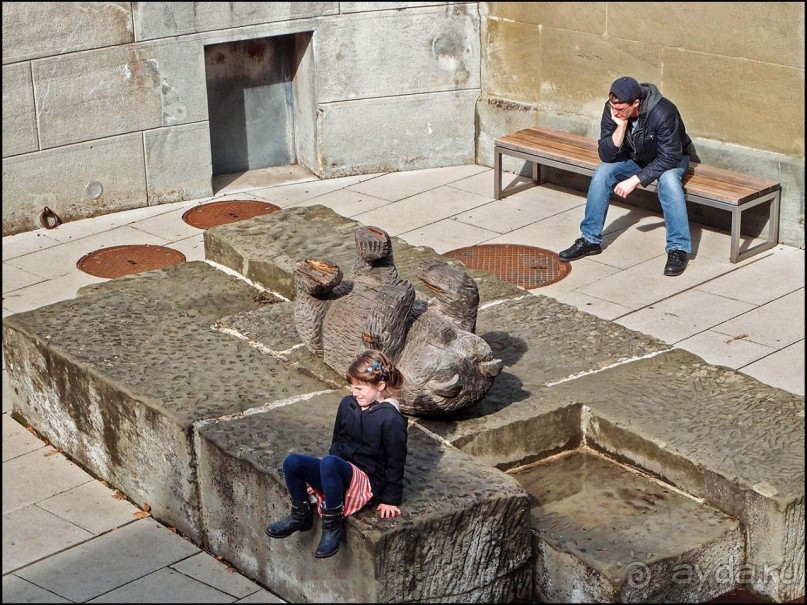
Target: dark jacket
658	141
375	441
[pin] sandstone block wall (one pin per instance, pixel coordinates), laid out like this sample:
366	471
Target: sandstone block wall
115	93
735	71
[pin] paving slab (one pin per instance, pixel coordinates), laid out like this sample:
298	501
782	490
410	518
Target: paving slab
463	535
31	533
153	588
605	534
18	489
17	440
109	561
91	506
17	590
206	569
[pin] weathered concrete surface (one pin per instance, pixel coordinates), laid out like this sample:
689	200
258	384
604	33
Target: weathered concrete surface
604	534
354	61
35	180
178	162
266	249
40	29
19	120
161	20
463	536
117	378
716	434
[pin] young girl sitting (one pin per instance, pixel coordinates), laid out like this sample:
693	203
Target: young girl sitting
366	460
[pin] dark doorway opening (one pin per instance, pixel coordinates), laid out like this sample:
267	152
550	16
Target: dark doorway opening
260	108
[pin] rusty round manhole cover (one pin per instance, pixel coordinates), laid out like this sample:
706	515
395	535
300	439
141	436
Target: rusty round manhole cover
118	261
525	266
221	213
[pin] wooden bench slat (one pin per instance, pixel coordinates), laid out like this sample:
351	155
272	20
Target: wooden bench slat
702	183
707	181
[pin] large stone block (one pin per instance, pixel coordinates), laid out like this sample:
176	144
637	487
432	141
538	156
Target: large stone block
118	377
66	180
266	250
389	134
167	19
605	534
718	435
578	69
704	87
178	164
772	35
580	16
463	536
360	57
19	119
41	29
512	61
96	94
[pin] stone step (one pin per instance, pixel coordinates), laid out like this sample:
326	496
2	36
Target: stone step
603	533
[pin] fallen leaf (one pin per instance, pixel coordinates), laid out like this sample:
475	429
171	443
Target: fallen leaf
118	495
173	529
147	507
104	483
141	514
50	453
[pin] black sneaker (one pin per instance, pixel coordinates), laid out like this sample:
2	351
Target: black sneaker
676	262
579	249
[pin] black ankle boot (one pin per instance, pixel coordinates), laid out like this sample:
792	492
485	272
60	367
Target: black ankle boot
333	527
301	518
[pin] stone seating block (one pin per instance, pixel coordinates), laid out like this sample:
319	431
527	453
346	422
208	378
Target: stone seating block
118	377
266	249
463	537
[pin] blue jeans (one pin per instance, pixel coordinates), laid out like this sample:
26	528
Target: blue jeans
670	194
330	475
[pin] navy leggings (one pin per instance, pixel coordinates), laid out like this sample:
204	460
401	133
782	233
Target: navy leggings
330	475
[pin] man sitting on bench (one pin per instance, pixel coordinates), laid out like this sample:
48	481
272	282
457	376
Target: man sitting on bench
642	138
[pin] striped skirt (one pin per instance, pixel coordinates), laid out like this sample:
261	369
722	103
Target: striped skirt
357	495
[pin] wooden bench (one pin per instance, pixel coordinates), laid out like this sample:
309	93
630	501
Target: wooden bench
715	187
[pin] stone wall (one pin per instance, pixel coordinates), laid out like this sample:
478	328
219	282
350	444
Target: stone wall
112	97
735	71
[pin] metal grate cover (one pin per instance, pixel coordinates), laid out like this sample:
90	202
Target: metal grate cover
221	213
525	266
117	261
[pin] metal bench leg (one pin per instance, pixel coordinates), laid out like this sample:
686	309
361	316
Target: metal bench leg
736	220
497	174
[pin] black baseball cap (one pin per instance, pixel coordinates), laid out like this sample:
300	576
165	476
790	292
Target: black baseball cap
625	90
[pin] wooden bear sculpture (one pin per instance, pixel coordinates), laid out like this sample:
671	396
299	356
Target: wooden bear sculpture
447	367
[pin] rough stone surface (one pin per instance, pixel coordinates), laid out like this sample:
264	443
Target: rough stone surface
186	387
604	534
117	378
716	434
266	250
463	537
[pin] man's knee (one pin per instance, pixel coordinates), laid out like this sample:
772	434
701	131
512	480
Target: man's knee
670	181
